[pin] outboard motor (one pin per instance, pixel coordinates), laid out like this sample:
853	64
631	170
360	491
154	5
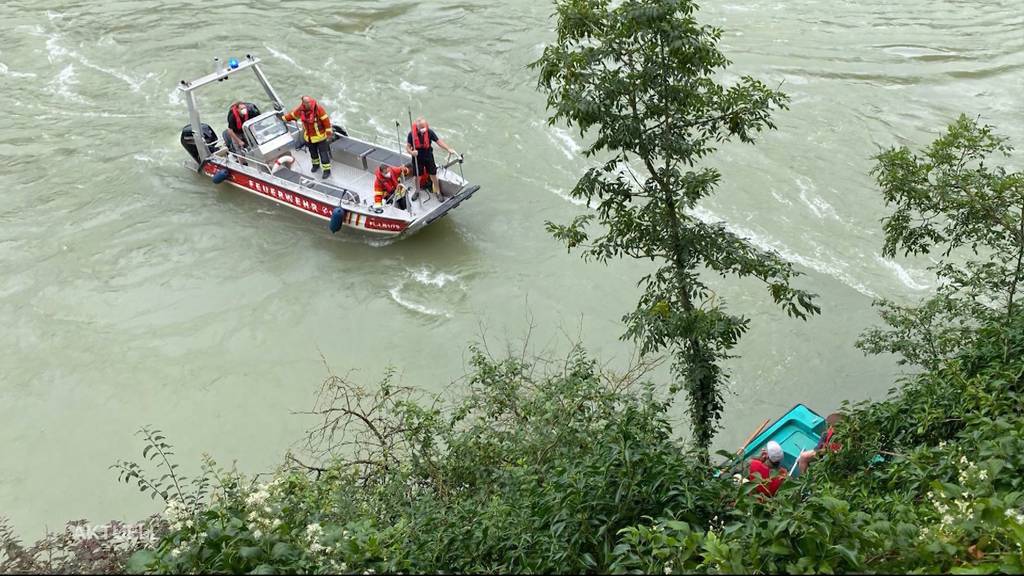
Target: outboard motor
188	140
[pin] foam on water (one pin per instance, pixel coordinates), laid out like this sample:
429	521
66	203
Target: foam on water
411	88
815	203
834	270
62	83
905	276
565	195
282	56
561	138
56	52
440	279
5	71
396	294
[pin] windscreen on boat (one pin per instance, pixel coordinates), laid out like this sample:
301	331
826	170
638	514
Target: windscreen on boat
266	129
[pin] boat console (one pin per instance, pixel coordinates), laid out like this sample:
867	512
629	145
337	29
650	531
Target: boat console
269	136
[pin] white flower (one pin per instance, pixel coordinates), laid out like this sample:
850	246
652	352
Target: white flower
175	553
175	510
189	523
668	568
257	534
983	474
257	498
275	523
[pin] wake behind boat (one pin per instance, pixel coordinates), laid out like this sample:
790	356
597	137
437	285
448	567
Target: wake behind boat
272	165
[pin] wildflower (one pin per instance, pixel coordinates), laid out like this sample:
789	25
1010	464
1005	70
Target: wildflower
983	474
1015	515
275	523
189	523
175	510
668	568
257	498
257	534
175	553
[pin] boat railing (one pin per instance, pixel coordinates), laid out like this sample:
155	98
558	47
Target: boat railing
377	138
250	160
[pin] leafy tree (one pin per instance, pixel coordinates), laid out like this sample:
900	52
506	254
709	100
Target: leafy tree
950	201
642	79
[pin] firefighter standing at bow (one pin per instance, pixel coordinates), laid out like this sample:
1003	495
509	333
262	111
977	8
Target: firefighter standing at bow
418	142
316	129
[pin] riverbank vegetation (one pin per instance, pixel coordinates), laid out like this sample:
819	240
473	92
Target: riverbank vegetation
543	466
571	469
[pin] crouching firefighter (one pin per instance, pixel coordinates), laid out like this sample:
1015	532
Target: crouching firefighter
385	184
316	130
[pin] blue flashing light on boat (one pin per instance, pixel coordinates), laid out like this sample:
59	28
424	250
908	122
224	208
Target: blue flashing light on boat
233	63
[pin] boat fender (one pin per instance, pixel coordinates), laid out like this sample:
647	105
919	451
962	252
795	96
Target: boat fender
283	161
221	175
336	219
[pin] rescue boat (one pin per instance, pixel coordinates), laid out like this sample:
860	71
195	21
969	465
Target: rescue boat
273	165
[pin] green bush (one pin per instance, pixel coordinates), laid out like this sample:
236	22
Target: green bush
576	471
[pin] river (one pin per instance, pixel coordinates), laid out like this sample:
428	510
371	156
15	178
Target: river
133	292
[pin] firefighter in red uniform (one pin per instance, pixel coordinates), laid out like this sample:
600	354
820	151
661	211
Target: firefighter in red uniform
418	143
385	183
317	130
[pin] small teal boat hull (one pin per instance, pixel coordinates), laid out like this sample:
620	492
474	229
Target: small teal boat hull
797	430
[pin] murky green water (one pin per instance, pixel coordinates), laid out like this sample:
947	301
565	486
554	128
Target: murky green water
133	292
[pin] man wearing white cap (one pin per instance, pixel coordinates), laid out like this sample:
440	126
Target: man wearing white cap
768	470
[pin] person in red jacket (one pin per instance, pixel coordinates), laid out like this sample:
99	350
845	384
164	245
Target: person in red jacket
385	183
317	131
768	470
825	445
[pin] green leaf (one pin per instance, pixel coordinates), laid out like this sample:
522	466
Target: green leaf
281	550
139	562
848	554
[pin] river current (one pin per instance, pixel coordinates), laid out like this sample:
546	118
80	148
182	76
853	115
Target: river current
133	292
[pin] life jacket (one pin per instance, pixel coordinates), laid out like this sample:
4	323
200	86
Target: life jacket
421	142
313	126
826	441
241	113
385	184
769	482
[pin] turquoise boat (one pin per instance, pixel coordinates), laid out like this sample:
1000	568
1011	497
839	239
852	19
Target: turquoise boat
797	430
